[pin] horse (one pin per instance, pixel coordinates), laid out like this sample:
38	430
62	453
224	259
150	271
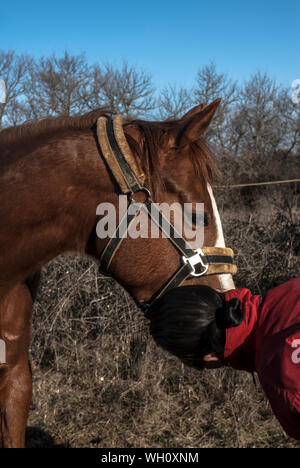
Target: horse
53	175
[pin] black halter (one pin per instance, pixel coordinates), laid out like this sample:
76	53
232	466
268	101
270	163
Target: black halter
194	262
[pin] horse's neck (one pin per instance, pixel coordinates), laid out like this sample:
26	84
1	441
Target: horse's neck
48	203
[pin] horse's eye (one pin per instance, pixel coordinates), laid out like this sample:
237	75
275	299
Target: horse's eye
200	219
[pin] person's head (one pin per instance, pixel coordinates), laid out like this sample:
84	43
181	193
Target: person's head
190	322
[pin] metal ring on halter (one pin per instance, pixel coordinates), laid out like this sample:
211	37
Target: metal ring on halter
195	260
142	189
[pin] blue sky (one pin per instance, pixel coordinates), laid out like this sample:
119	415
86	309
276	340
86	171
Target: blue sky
169	38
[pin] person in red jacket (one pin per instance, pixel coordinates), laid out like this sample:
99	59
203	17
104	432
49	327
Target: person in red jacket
248	332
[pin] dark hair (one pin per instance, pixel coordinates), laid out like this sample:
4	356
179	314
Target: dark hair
190	322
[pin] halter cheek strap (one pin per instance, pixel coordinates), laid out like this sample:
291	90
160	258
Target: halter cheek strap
130	178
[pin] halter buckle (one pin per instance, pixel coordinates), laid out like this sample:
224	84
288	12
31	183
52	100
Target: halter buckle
196	260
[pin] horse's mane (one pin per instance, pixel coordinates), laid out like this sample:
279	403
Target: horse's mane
32	132
12	137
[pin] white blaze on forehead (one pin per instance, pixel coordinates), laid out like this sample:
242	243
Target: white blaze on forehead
226	280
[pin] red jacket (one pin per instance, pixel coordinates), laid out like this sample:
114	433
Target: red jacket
268	342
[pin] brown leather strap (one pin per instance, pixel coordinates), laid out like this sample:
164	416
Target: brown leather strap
118	155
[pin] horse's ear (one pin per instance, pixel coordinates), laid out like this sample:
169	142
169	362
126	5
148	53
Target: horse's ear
193	111
198	124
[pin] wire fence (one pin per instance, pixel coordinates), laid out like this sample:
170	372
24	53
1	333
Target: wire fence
254	184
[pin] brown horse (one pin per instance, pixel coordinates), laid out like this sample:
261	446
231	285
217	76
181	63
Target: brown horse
52	178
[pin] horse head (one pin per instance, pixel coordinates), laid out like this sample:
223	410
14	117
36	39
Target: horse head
176	169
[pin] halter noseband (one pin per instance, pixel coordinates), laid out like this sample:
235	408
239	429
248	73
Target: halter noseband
130	179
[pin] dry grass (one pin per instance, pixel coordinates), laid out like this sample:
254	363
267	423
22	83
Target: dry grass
100	381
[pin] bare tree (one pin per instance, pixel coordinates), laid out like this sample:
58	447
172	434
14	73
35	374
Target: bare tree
13	70
258	118
57	86
174	101
290	121
265	120
125	90
53	86
98	81
211	85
